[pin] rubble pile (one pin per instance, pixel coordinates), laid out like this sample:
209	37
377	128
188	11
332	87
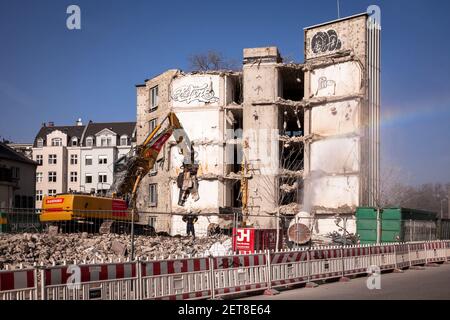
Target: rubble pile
27	249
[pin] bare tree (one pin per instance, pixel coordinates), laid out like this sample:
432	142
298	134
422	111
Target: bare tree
212	60
394	193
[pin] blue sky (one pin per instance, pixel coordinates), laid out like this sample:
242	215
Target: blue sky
49	73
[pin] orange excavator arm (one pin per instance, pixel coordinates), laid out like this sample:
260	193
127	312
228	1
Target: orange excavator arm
130	169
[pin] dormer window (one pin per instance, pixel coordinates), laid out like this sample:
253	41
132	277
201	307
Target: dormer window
40	143
56	142
74	141
124	140
105	141
89	142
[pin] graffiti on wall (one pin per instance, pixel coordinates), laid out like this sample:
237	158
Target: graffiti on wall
200	93
324	83
326	41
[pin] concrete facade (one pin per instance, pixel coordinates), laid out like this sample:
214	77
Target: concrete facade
307	133
200	102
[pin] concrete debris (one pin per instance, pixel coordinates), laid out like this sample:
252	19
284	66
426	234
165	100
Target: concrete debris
53	230
291	208
201	142
203	211
212	72
220	249
119	248
286	188
288	139
334	238
290	173
27	249
234	175
340	210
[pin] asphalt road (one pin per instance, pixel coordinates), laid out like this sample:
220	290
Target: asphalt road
433	283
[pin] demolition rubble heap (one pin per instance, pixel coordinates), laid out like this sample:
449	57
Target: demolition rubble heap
28	249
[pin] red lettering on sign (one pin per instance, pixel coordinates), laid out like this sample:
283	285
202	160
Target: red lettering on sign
56	200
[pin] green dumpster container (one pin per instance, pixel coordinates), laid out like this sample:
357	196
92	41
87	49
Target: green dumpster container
397	225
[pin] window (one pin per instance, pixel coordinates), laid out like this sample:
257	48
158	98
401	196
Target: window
102	159
52	192
15	173
124	140
152	124
153	98
52	159
88	160
52	176
105	141
73	176
38	195
74	141
153	195
89	142
56	142
40	143
39	159
73	159
152	221
154	170
102	178
88	178
39	176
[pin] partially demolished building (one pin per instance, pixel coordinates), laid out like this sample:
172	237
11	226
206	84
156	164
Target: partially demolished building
303	138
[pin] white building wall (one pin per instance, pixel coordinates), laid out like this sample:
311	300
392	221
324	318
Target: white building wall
60	167
74	186
196	100
95	169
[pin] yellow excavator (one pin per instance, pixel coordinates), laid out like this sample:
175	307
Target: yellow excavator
70	208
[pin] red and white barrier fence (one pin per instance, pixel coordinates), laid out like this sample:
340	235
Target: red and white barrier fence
19	284
417	253
108	281
176	279
383	256
356	259
325	263
436	251
239	273
289	267
213	277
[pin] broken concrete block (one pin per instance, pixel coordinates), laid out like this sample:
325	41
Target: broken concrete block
119	248
53	230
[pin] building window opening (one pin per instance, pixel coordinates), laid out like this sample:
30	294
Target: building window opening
292	83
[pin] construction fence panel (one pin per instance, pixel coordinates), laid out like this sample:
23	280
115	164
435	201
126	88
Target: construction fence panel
436	251
240	273
447	245
111	281
19	284
357	259
289	267
383	256
417	253
177	279
402	259
326	263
